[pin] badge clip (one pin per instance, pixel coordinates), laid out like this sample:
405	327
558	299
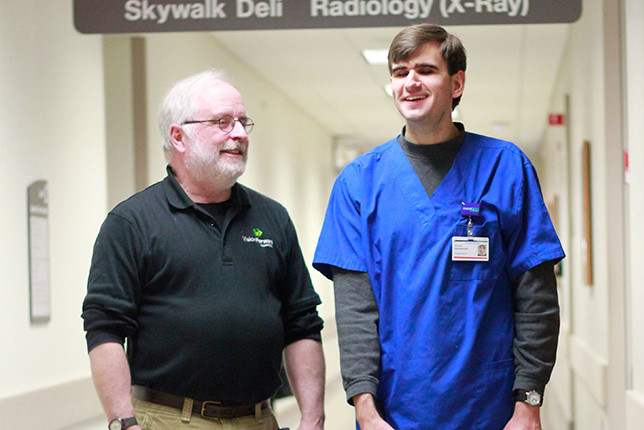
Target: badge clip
470	210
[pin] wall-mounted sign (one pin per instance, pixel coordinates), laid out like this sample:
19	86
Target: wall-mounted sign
39	285
556	119
627	178
152	16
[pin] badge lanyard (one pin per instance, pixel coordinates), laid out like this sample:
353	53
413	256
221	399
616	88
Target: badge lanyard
470	210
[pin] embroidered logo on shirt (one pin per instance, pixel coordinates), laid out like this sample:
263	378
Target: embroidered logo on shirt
264	243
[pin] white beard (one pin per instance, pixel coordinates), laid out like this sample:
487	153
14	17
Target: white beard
208	165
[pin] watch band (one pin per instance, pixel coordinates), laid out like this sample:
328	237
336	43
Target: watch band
122	423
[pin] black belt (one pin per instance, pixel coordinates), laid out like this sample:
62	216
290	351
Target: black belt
207	409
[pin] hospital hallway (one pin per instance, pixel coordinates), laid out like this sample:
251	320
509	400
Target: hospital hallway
79	109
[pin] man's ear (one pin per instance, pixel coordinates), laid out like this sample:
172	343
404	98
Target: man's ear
178	138
458	83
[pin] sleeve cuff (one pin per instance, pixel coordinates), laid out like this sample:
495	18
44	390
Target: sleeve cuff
524	382
359	387
97	337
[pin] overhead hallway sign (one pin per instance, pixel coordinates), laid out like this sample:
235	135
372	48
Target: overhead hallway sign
151	16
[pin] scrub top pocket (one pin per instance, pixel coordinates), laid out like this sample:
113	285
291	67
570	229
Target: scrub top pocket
480	270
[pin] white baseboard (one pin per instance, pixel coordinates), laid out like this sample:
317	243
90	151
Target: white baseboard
634	410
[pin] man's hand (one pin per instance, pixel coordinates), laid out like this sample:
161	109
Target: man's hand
525	417
367	414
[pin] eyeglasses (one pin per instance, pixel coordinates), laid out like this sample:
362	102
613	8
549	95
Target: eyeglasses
227	123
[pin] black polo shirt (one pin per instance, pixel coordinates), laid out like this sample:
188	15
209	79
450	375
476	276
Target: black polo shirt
207	307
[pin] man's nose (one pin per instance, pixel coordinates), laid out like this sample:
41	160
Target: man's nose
238	131
412	78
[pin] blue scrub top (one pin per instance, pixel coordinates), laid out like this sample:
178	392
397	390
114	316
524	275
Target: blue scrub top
446	328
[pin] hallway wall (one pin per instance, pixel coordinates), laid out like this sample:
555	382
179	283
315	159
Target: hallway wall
51	109
583	352
598	343
584	339
52	113
634	133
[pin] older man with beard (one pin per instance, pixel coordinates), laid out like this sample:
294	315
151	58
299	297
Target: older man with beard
206	281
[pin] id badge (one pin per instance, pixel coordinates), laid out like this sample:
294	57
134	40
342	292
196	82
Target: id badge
470	249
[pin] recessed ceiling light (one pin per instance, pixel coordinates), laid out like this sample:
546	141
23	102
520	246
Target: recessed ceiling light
376	57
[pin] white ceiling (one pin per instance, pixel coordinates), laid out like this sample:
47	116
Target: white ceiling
510	75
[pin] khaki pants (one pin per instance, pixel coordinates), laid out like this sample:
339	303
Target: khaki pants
152	416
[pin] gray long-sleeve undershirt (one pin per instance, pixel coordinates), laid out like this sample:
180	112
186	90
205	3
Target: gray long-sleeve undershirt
534	292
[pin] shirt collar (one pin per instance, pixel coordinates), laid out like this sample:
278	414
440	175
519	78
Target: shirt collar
440	149
178	198
460	137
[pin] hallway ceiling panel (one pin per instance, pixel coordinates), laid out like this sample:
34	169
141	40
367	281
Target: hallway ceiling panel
510	76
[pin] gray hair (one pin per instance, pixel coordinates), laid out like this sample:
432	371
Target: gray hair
179	102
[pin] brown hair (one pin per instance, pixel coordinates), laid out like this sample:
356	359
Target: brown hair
410	39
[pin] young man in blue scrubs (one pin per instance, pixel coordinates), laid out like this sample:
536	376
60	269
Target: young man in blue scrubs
442	255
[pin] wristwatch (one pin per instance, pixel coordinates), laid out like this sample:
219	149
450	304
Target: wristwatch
122	423
532	398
